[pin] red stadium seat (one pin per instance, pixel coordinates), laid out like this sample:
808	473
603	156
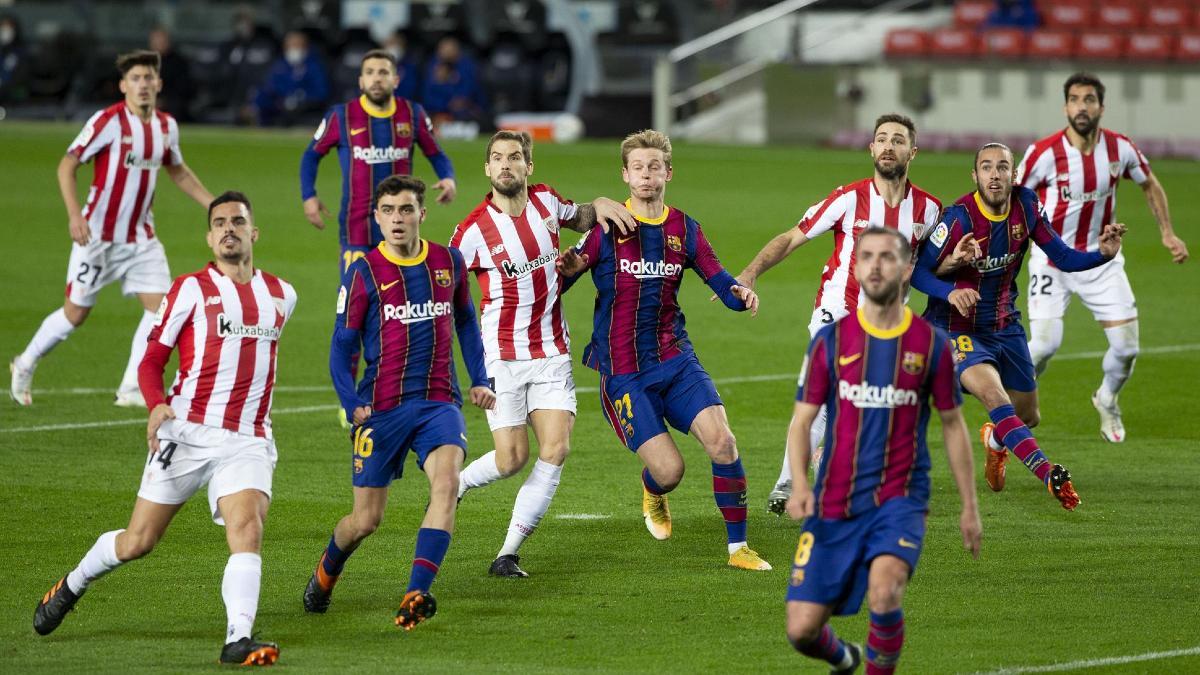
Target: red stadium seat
1145	46
1168	15
1050	44
1120	14
954	43
906	42
1067	14
1005	43
1100	45
1187	47
971	13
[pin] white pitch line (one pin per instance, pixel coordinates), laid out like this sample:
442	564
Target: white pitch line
1165	349
286	388
1096	663
582	516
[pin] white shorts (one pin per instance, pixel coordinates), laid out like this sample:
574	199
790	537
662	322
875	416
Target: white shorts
524	386
1104	290
823	316
191	455
141	267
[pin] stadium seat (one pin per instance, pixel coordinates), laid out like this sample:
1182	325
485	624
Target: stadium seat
954	43
1187	47
1120	14
1107	45
1006	43
1068	14
906	42
1050	44
972	13
1147	46
1168	15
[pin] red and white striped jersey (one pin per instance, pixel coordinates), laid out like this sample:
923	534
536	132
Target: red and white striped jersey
127	153
1079	192
513	259
227	335
847	211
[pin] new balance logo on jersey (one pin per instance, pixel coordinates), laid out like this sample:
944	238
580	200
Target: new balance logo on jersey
212	300
374	155
497	249
227	328
517	270
874	396
132	161
994	263
643	269
1093	196
414	312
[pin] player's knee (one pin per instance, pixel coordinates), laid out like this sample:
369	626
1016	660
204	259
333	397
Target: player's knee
365	524
723	448
511	463
555	453
885	597
1031	417
803	633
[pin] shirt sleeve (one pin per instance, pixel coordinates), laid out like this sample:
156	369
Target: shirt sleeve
564	209
939	244
174	155
175	311
423	134
703	259
467	240
470	340
1028	173
944	388
99	132
822	216
1064	257
353	299
815	373
1136	166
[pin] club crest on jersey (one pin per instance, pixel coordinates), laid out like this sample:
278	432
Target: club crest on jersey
162	312
913	363
442	277
341	303
403	129
1016	231
1114	168
674	243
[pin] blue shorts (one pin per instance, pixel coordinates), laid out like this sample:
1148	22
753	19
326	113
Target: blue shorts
350	254
637	404
380	446
1007	350
834	557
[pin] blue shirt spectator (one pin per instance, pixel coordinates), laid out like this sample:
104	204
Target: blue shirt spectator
296	84
452	88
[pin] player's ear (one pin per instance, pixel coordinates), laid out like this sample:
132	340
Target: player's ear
530	171
625	174
253	234
423	212
670	172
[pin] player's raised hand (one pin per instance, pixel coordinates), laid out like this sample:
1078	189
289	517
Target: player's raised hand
1110	239
314	210
611	214
483	397
801	504
161	413
963	299
570	263
747	296
972	531
360	415
448	189
1178	249
966	251
80	232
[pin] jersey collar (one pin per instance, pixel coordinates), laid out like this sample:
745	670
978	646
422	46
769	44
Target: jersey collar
885	333
995	219
649	221
369	108
405	262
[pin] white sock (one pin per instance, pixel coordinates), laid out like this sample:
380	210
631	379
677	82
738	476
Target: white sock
994	443
54	329
735	546
479	473
816	436
785	472
239	588
100	559
1118	360
1045	337
533	500
137	350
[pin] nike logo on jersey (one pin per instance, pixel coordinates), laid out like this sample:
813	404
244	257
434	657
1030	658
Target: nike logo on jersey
622	240
847	360
355	132
384	287
908	544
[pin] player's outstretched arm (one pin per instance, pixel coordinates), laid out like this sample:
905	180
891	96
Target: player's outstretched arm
605	212
800	504
771	255
962	466
1068	259
188	182
78	227
1156	199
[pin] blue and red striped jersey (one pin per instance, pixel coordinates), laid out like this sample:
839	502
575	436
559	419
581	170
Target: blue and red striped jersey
407	311
877	385
1004	240
370	148
638	322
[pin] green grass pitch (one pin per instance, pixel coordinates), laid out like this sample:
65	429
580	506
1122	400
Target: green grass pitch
1118	577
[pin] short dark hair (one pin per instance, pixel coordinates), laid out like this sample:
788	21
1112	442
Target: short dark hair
394	185
875	230
903	120
378	54
227	197
521	137
992	144
1086	80
141	57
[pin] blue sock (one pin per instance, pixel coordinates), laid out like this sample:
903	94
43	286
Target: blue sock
332	563
729	489
652	487
1017	437
431	549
